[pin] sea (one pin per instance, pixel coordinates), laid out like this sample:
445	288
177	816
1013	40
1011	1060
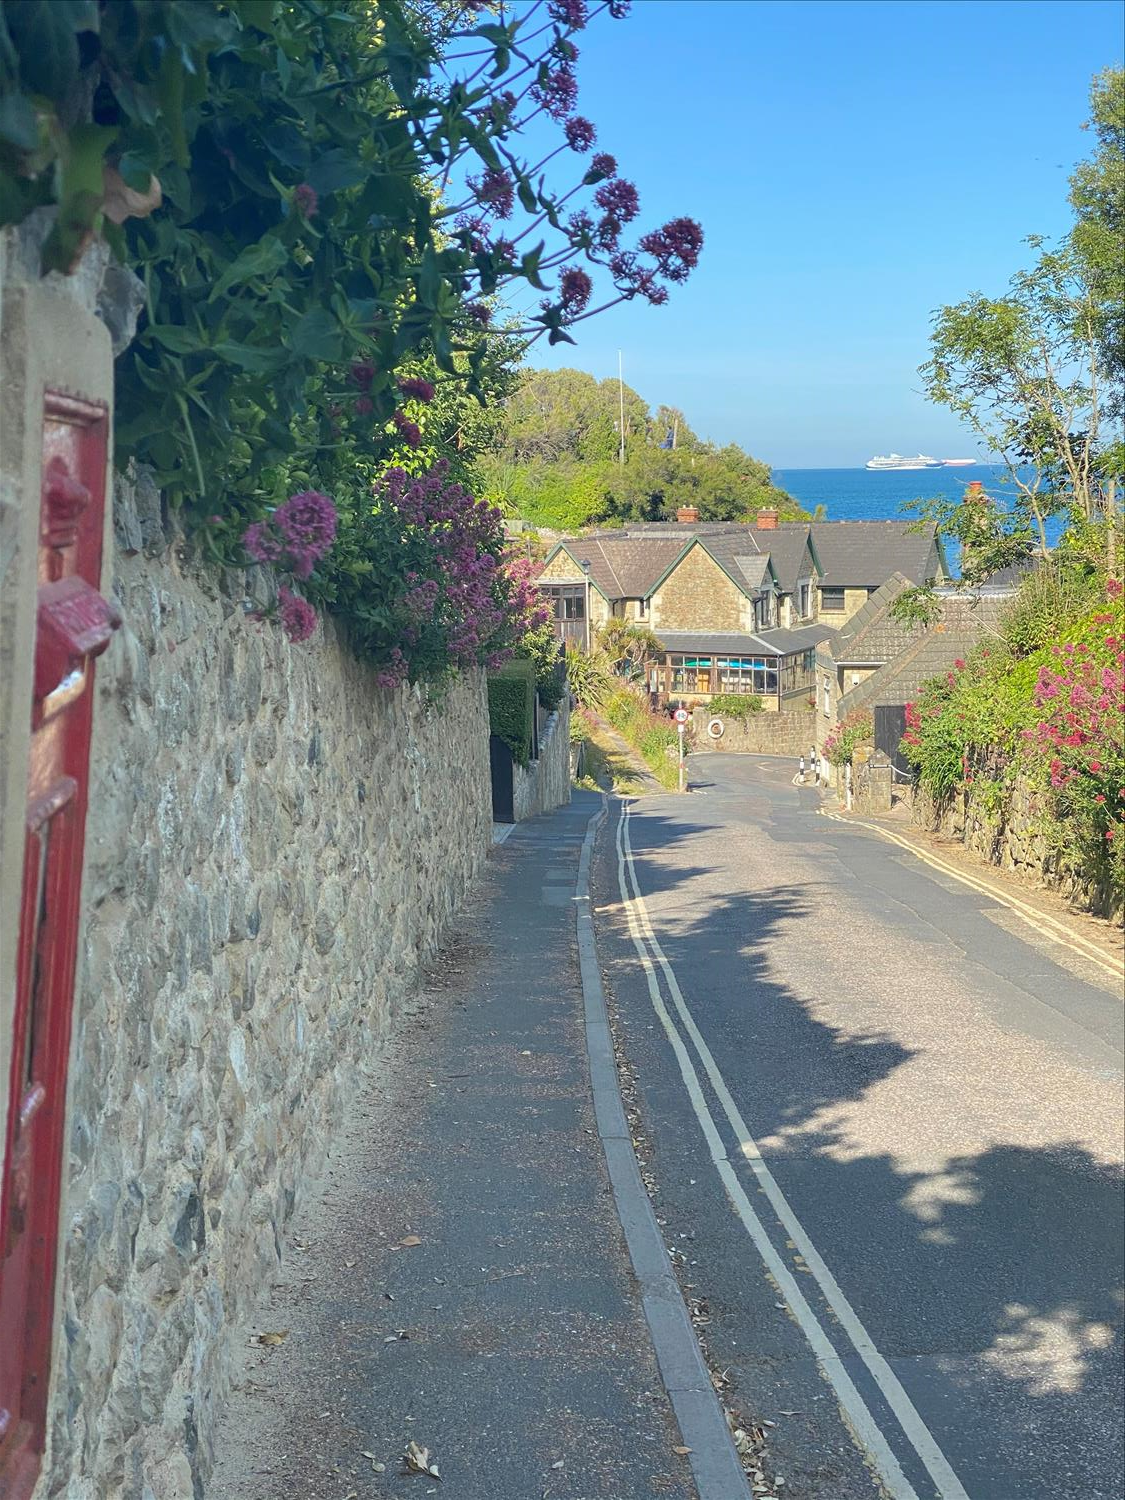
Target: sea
882	494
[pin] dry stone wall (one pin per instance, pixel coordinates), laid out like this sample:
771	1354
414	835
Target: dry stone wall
1013	836
274	845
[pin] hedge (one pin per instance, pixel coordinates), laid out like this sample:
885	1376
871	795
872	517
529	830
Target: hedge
511	706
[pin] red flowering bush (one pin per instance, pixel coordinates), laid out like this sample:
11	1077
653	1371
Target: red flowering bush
1057	715
841	743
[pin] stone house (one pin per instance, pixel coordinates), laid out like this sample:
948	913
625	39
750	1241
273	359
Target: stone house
865	642
965	620
857	557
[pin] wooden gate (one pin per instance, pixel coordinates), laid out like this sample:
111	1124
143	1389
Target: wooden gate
73	625
890	726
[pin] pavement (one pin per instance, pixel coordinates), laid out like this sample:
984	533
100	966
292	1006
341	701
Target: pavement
882	1116
462	1281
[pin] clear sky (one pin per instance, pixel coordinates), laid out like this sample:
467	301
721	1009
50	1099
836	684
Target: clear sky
854	166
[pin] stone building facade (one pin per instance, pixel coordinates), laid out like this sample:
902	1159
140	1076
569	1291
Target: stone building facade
697	595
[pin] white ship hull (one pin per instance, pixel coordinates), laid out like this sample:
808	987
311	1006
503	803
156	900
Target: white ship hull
896	462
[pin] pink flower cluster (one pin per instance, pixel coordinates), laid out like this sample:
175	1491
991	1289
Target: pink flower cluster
460	604
298	618
298	534
1081	730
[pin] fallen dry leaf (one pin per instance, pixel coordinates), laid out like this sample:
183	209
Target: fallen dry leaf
271	1339
681	1450
410	1241
418	1461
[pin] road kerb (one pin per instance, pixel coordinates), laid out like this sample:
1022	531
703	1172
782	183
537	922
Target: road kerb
714	1460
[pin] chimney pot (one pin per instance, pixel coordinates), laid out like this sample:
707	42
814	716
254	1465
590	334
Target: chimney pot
767	520
687	515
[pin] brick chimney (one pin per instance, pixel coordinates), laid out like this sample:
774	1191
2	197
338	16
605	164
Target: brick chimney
767	520
687	515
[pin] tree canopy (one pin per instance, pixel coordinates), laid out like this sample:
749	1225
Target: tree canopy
556	459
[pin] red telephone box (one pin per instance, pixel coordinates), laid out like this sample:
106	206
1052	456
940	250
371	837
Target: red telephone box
74	624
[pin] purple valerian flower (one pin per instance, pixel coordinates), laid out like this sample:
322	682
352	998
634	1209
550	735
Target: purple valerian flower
575	288
675	248
619	9
364	406
557	92
605	164
409	431
480	312
580	133
262	546
305	200
415	386
298	618
362	373
570	13
307	524
495	190
619	199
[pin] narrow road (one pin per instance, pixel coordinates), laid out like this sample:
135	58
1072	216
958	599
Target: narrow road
884	1121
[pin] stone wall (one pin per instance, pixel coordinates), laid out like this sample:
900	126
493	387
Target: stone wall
788	732
274	845
545	783
1014	838
698	596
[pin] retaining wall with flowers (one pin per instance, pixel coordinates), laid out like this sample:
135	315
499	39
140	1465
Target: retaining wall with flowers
275	843
1011	831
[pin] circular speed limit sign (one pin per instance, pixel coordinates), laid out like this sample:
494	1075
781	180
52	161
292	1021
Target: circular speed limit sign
681	716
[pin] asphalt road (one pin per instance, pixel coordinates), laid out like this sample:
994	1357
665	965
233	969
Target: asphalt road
884	1120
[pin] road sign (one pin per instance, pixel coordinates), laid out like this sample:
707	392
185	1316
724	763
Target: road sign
681	716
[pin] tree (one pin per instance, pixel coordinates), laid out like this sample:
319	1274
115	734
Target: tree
1097	195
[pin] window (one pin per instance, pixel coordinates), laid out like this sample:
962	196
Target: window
804	599
691	674
642	609
748	674
832	599
797	672
827	699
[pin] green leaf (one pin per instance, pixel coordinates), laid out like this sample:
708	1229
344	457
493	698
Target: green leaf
246	357
317	336
336	169
261	259
172	336
80	195
19	123
45	33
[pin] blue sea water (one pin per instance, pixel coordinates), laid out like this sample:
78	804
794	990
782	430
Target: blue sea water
879	495
882	495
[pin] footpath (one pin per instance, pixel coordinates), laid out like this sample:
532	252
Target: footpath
460	1311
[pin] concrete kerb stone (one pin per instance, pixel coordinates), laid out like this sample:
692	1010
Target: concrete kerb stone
714	1459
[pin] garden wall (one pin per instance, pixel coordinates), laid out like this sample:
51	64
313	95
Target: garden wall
274	846
789	732
1013	838
545	783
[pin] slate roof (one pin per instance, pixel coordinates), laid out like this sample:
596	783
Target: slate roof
626	567
873	636
722	643
964	620
863	554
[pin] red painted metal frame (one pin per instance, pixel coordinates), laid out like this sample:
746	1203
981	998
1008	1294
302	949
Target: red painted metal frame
74	624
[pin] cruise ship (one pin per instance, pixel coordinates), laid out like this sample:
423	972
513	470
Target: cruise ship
896	461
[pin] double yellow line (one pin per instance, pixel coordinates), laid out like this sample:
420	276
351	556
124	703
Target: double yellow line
1047	926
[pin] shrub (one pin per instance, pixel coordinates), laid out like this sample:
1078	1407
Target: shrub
841	743
740	706
511	706
542	648
591	680
654	737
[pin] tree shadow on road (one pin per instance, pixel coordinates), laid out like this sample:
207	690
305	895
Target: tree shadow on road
992	1277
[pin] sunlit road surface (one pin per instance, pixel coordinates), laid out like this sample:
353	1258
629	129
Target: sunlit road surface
884	1119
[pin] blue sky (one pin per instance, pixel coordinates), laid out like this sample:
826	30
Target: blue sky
854	166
